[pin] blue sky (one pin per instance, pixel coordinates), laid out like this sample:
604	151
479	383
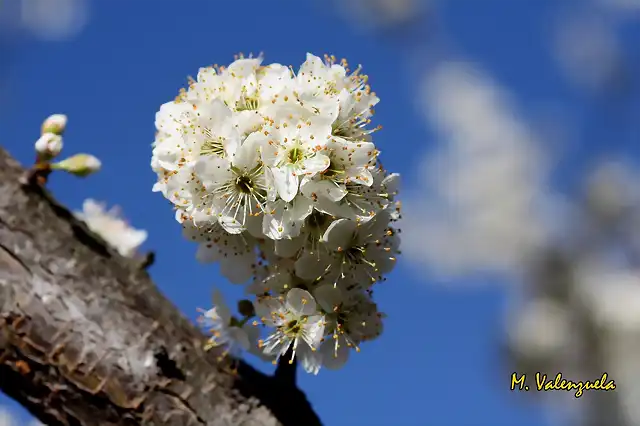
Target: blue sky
438	360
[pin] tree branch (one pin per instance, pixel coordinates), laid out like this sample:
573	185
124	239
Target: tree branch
86	338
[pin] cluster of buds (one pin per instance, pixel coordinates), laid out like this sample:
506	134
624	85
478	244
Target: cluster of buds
274	173
50	144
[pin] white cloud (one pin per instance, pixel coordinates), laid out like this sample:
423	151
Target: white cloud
481	202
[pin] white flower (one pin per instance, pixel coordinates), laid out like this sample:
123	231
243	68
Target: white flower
227	331
355	112
335	350
111	227
187	132
235	186
362	320
292	150
48	146
359	201
351	319
284	220
234	85
317	78
279	279
349	165
275	283
296	323
308	236
331	90
171	122
361	252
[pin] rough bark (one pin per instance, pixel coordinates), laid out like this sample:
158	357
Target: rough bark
87	339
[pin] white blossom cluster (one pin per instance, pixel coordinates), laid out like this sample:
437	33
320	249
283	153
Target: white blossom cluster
274	174
110	225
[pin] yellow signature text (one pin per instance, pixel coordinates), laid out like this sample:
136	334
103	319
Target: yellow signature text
544	383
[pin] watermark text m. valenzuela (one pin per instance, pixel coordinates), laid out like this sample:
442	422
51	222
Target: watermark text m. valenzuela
544	383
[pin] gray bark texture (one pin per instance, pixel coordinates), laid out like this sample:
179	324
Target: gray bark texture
86	338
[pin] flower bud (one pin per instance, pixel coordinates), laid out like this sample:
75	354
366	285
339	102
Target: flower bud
48	146
80	165
245	307
55	124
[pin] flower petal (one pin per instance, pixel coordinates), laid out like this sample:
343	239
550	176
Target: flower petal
247	155
339	235
236	269
392	182
300	302
286	183
310	360
207	253
239	337
315	164
231	224
288	247
335	353
266	310
312	188
313	330
310	266
328	297
213	170
302	207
